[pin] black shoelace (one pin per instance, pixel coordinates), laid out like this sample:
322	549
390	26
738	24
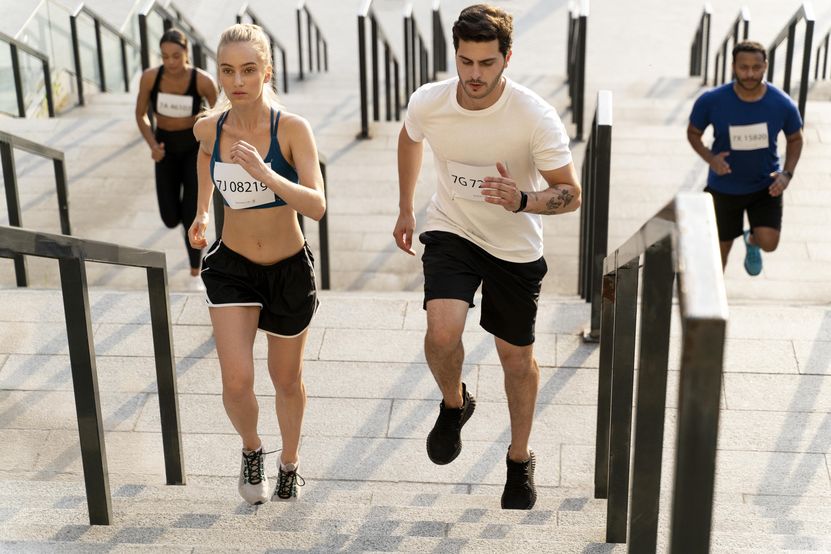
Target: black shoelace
289	480
253	470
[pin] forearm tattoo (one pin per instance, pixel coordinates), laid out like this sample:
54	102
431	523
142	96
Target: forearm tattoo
560	199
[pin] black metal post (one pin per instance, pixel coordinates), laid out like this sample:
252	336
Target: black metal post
318	40
620	418
323	228
771	63
656	316
706	47
85	385
407	57
789	58
599	235
174	460
285	71
18	81
397	91
300	41
47	81
578	102
102	84
387	83
362	78
145	48
63	196
806	67
325	57
309	38
13	207
604	386
125	69
76	54
376	100
698	414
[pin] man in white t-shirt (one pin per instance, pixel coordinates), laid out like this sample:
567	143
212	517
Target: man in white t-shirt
502	161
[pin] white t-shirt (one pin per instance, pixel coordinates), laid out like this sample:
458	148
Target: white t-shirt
520	130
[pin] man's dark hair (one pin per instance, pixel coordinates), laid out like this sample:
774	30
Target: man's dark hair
484	23
750	46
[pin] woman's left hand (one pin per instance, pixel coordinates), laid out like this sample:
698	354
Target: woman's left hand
247	156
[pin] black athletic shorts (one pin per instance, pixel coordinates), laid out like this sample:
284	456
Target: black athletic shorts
284	291
763	210
454	267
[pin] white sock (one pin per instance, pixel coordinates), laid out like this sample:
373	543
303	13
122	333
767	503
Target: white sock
288	467
244	451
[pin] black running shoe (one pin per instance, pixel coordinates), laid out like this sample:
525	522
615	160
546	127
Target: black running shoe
444	442
520	492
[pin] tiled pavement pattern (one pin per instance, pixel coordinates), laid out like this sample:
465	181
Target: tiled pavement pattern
371	398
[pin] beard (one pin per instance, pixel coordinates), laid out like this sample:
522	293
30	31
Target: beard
750	84
486	87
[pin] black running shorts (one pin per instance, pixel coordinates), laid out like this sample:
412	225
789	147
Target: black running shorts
284	291
454	267
763	210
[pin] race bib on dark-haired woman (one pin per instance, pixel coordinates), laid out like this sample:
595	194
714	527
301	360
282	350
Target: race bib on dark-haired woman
174	105
239	189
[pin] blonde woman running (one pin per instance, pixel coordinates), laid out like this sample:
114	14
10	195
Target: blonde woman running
259	274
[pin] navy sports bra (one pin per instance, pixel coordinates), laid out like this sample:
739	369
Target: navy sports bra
274	156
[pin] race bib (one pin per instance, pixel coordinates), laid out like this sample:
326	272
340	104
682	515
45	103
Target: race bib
239	189
749	137
467	180
174	105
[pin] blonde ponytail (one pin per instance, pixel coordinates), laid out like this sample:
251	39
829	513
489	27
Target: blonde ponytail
253	35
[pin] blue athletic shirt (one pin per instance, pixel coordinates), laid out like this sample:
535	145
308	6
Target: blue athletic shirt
274	156
748	130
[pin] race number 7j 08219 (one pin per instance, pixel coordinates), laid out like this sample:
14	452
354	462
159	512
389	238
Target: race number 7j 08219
239	186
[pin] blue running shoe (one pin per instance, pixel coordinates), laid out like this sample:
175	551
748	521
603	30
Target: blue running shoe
753	258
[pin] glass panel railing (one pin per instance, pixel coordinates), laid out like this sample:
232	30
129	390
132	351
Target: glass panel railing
31	74
8	97
113	70
88	49
155	29
48	31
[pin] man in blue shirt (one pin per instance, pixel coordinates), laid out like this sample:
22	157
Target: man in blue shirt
747	116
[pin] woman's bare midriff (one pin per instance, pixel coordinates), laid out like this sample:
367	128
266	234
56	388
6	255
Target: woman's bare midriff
264	236
174	123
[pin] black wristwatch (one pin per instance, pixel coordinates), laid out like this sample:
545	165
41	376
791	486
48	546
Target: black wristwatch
787	174
523	202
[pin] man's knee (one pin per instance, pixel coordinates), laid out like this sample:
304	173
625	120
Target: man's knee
442	339
766	238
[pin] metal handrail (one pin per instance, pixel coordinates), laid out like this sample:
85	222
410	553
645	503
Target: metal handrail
8	143
680	240
742	22
311	25
169	15
15	46
439	41
823	44
391	71
245	10
700	48
594	217
99	23
72	254
805	12
416	56
578	17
